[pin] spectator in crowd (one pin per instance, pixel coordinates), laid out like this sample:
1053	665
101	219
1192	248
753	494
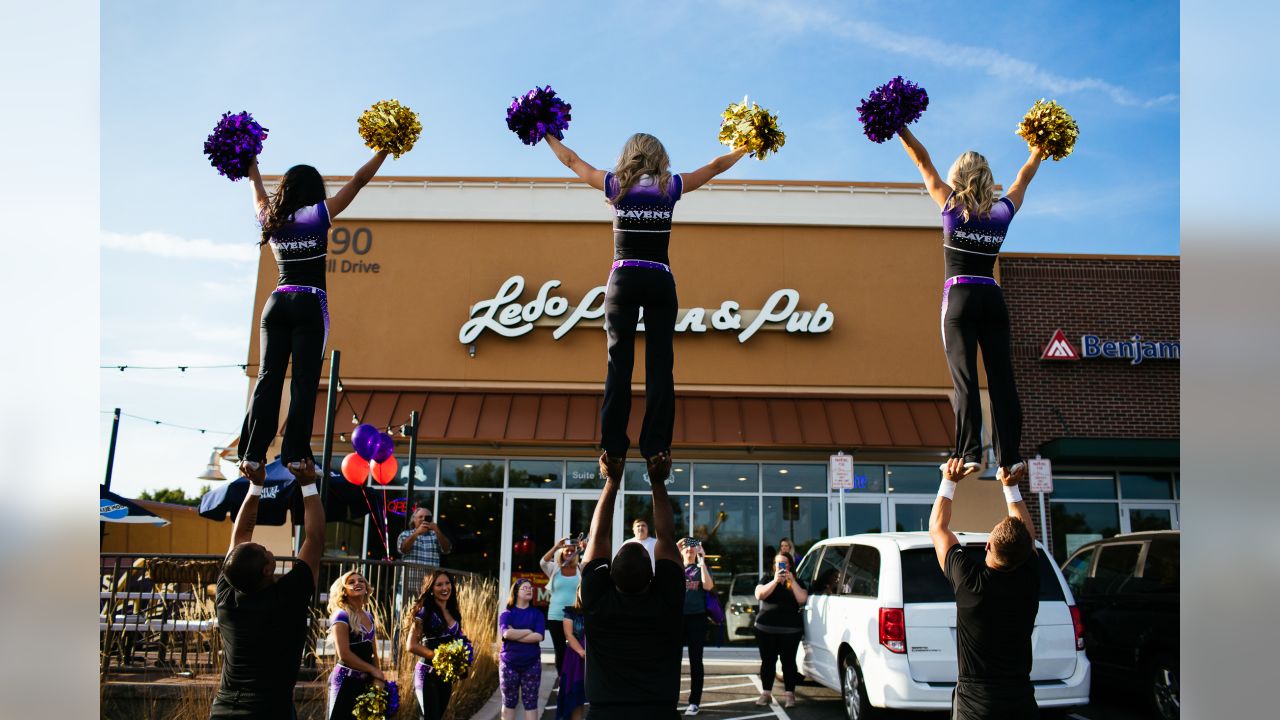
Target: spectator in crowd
560	565
521	627
263	622
779	628
353	630
421	545
697	583
572	698
434	620
640	534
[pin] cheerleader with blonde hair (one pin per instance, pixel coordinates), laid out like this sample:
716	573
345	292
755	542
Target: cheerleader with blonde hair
353	630
974	314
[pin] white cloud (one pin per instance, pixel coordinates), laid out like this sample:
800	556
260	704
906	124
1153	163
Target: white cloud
175	246
797	17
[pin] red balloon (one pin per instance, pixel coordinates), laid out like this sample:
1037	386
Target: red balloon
355	469
384	472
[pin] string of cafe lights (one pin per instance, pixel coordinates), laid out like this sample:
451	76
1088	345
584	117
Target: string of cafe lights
121	367
153	421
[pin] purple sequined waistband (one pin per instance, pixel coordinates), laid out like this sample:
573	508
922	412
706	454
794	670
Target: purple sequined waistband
969	280
640	264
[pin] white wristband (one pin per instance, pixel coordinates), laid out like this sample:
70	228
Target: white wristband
255	490
1012	494
309	489
947	489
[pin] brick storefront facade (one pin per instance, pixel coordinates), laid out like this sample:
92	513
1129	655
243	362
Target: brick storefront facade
1114	298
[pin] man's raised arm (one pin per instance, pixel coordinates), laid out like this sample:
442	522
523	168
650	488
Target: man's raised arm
940	518
664	524
1014	503
600	542
247	518
313	515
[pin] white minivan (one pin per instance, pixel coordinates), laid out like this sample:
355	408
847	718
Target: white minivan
880	625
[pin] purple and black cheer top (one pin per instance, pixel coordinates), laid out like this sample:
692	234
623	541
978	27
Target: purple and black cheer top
971	248
642	218
301	247
362	643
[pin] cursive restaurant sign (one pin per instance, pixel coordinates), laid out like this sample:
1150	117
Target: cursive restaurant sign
504	314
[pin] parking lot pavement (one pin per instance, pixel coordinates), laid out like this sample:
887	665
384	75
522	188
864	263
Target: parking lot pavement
732	686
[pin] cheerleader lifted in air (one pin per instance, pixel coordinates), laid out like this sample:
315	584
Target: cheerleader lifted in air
974	315
643	193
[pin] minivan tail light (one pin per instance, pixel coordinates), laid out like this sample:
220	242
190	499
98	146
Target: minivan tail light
1079	626
893	629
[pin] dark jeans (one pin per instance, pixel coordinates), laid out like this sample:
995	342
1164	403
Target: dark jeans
978	702
695	638
556	628
629	290
292	325
973	317
778	645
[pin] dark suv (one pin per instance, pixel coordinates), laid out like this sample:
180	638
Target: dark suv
1127	590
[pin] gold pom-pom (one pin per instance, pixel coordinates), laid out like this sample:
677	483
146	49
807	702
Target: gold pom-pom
751	128
372	705
390	126
451	661
1048	126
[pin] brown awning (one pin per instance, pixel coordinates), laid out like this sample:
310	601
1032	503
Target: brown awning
702	420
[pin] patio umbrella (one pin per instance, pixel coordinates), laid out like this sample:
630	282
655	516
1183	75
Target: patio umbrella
113	508
273	507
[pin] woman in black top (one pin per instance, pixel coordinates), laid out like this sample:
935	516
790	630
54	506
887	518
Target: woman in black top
779	627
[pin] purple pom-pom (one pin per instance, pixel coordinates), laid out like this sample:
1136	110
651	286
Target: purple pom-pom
393	698
538	113
235	141
890	107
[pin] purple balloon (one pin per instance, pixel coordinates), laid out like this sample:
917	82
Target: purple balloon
365	441
385	448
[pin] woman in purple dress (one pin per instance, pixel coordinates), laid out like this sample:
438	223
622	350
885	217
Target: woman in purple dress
643	193
436	619
974	315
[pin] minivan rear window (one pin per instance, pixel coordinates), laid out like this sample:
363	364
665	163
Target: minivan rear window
923	581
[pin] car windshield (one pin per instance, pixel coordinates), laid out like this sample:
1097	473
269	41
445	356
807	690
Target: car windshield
923	581
743	585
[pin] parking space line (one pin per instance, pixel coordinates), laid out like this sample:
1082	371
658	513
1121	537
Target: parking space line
773	704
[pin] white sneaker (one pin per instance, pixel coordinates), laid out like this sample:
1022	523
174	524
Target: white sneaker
764	699
691	710
970	469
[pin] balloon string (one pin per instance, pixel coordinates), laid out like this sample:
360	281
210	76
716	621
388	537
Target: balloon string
382	533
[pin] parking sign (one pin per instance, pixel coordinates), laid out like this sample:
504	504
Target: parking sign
1040	475
841	472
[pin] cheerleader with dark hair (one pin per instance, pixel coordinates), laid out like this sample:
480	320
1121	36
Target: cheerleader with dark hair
295	223
974	315
436	619
643	193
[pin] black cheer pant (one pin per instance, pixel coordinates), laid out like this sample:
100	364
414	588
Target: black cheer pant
292	325
772	647
629	290
973	317
695	638
556	628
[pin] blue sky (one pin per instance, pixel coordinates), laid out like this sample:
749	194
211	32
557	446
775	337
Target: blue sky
178	257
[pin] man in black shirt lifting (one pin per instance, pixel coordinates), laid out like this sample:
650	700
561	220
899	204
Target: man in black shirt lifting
264	621
996	605
633	609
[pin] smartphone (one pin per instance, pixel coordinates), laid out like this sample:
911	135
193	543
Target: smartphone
692	542
782	565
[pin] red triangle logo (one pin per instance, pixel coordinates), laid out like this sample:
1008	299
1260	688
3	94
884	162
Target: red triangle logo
1059	348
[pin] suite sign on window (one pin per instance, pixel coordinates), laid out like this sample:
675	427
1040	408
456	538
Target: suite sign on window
505	315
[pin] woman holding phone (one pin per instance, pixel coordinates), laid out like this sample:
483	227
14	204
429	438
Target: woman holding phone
697	583
779	627
560	565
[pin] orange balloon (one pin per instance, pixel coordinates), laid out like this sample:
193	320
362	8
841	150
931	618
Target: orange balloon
355	469
384	472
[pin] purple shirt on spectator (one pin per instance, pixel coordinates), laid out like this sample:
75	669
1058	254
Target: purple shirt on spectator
521	655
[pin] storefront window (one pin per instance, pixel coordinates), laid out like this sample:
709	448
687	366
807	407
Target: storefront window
729	528
470	473
536	474
911	517
1077	523
641	507
803	519
868	479
795	478
1145	486
583	475
635	477
425	476
913	478
473	522
726	477
1098	487
862	518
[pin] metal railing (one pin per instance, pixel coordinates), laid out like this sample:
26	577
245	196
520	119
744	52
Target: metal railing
157	611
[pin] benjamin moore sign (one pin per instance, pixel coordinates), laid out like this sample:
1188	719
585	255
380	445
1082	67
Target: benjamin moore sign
505	315
1134	349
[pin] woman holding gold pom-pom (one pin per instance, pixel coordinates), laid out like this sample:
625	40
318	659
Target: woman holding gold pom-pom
974	315
435	621
643	193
